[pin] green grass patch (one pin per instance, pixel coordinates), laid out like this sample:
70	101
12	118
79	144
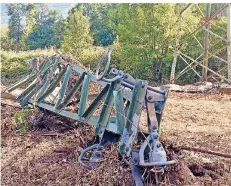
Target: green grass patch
14	65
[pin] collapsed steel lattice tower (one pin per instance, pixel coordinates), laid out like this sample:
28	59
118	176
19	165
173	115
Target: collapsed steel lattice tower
122	100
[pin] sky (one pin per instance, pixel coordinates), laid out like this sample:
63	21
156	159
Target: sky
63	7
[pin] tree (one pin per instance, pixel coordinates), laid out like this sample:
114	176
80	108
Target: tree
6	43
99	22
48	29
144	34
16	28
76	35
32	12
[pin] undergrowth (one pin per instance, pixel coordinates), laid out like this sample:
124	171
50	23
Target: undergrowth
14	64
21	120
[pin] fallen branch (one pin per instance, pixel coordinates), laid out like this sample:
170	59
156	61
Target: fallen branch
205	151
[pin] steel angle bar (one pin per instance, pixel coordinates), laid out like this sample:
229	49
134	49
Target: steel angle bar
25	100
42	72
216	35
176	47
31	91
53	85
152	119
107	108
136	173
214	24
84	95
131	86
95	104
20	83
211	17
63	87
193	34
202	14
219	58
229	41
119	109
186	7
27	90
72	92
190	67
31	76
220	70
48	80
198	63
92	77
133	115
186	69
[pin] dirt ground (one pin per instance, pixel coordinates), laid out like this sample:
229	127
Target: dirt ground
49	156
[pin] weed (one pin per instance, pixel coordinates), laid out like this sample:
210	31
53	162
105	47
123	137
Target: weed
22	124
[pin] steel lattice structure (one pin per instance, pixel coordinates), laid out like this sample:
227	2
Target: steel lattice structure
208	43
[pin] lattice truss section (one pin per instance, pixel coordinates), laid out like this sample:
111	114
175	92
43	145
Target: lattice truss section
206	49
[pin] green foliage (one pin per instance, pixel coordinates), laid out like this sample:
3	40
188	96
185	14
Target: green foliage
16	12
90	57
76	36
47	31
144	34
14	65
99	22
6	43
21	120
42	37
32	12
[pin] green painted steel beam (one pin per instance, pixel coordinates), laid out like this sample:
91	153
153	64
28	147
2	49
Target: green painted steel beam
73	91
27	90
48	80
95	104
63	87
106	110
84	95
92	77
53	85
133	116
119	109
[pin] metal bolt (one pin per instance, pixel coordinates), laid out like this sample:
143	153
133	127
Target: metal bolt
158	145
135	160
155	136
149	97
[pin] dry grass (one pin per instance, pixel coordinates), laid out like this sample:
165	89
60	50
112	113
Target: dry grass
196	120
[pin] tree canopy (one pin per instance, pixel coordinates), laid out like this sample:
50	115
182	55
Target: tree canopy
144	34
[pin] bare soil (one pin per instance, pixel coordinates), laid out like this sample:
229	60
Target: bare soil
49	156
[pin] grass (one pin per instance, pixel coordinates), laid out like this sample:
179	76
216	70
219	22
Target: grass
14	64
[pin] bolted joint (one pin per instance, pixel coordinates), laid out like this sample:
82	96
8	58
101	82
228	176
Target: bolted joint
149	98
